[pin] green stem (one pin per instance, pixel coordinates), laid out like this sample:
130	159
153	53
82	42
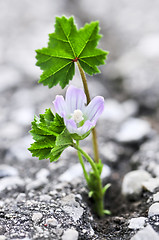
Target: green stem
93	180
89	159
95	184
94	135
82	164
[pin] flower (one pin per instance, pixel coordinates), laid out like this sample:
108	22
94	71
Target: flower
78	118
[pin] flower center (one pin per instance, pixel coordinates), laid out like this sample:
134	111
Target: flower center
77	116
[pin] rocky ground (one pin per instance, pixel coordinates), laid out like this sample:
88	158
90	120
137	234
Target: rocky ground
42	200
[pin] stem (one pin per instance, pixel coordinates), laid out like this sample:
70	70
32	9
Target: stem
95	184
94	135
82	163
84	80
89	159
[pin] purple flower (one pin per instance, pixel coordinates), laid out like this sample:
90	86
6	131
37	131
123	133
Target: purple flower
78	118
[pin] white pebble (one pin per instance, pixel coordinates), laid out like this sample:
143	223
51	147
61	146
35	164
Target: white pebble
137	223
37	217
151	184
146	234
70	234
133	130
2	237
133	181
153	209
52	222
156	197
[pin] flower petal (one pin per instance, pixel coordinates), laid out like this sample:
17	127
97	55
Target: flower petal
71	125
95	109
75	99
60	105
85	128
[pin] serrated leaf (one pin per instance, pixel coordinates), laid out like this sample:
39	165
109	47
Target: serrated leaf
67	45
63	141
50	135
45	131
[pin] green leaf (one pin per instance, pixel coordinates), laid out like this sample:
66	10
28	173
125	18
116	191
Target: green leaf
45	131
63	141
67	45
90	194
107	212
50	135
105	188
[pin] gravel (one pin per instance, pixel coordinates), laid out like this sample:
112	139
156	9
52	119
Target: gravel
42	200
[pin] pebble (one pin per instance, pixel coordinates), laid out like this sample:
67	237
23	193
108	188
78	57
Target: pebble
146	234
118	112
2	237
137	223
156	197
133	130
7	171
133	182
151	184
11	130
153	209
10	77
37	216
148	156
70	234
11	182
45	198
23	116
21	197
76	171
52	222
111	151
38	183
43	173
71	207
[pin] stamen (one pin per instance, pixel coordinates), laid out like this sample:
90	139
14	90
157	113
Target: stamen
77	116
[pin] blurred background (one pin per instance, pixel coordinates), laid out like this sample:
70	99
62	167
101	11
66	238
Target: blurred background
130	32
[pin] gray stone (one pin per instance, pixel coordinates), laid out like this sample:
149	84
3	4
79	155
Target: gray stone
70	234
45	198
7	171
43	173
38	183
151	184
76	171
146	234
10	183
10	77
148	156
133	182
111	151
52	222
118	112
2	237
37	216
23	116
153	209
71	207
19	149
156	197
21	197
137	223
133	130
11	130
